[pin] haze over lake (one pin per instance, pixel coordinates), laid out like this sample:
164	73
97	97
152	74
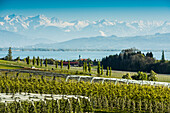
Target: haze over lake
71	55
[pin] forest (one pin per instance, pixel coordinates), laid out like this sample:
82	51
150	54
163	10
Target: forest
133	60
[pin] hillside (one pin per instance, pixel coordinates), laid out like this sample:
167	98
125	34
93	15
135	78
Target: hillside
11	39
157	41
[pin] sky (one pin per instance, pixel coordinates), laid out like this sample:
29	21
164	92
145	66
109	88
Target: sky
126	10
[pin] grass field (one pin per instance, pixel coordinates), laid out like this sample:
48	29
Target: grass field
73	70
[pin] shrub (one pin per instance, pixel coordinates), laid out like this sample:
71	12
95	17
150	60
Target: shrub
127	76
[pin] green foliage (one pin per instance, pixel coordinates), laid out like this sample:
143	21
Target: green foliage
85	66
163	57
98	68
38	61
129	60
107	72
102	70
61	64
127	76
105	97
89	67
9	56
41	62
144	76
33	62
28	60
152	76
68	65
46	62
56	64
110	73
51	61
25	60
17	59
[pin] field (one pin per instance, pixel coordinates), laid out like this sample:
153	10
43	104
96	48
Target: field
34	92
73	70
106	97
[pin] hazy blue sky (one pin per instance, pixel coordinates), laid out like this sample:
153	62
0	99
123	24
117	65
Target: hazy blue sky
90	9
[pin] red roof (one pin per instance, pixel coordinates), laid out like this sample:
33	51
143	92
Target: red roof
83	59
70	63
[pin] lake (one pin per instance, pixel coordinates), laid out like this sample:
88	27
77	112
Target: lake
71	55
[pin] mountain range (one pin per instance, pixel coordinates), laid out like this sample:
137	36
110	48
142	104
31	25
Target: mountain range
42	31
40	26
147	42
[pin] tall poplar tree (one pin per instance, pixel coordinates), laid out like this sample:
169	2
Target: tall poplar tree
98	67
102	70
68	65
41	62
46	62
107	72
56	64
33	62
28	60
85	66
163	57
38	61
110	74
89	67
9	56
61	64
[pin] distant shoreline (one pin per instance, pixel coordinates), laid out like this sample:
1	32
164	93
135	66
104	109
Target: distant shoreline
50	49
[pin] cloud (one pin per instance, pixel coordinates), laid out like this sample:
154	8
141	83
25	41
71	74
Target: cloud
102	33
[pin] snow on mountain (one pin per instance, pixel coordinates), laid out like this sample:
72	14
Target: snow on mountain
55	29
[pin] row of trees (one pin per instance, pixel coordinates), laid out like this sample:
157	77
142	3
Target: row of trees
39	62
99	69
35	61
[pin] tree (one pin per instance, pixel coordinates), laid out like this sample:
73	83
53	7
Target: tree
127	76
89	67
102	70
56	64
61	64
98	68
17	59
28	60
38	61
85	66
41	62
33	62
107	72
152	76
25	60
46	62
110	74
140	76
68	65
9	56
163	57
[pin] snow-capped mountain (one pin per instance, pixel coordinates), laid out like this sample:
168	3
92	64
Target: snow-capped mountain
55	29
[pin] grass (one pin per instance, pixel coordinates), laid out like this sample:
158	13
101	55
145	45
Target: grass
73	70
4	66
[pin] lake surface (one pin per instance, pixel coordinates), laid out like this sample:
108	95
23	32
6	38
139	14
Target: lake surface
71	55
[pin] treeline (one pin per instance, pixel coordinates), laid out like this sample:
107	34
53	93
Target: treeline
50	49
134	60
